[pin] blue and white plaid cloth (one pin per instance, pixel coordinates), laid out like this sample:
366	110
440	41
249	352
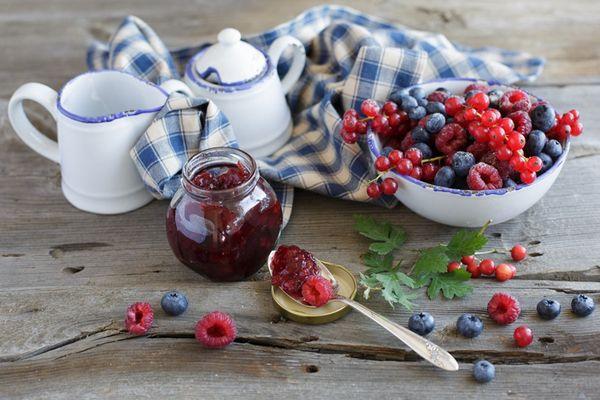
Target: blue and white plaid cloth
351	56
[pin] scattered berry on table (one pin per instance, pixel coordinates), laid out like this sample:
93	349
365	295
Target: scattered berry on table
518	252
548	309
467	259
216	330
317	291
543	117
474	270
389	186
503	308
582	305
138	318
453	266
462	162
174	303
553	148
469	325
487	266
421	323
483	176
523	336
444	177
484	371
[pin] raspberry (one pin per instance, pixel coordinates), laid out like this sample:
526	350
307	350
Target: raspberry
478	149
216	330
503	167
317	291
514	100
481	87
522	122
483	176
139	318
451	138
503	308
523	336
407	143
437	96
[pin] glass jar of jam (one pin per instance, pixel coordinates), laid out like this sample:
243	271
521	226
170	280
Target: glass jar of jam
225	218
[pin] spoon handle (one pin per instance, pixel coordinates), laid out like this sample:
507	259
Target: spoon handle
423	347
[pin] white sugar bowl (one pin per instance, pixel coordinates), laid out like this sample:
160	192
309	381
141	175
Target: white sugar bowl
243	82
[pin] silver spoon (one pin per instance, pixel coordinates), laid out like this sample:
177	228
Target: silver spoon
423	347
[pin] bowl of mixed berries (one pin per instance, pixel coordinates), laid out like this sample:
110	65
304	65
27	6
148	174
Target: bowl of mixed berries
462	151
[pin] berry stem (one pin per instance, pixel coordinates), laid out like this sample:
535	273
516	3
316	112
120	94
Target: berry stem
491	251
432	159
484	227
379	176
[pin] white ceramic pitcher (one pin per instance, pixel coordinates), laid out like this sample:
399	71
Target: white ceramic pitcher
99	117
243	82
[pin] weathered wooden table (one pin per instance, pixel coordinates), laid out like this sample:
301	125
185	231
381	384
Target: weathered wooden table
66	276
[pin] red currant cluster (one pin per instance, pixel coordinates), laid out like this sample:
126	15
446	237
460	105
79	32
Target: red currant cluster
565	125
502	272
386	121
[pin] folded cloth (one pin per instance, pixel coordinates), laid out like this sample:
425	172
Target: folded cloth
351	57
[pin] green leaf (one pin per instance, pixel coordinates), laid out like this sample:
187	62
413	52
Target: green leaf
431	261
466	243
451	284
393	291
376	261
387	237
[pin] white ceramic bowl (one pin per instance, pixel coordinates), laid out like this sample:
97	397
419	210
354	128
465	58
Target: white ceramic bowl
468	208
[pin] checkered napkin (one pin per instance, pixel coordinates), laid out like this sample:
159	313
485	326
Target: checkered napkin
351	56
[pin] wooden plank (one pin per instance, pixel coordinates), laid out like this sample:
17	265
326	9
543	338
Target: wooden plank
180	368
41	321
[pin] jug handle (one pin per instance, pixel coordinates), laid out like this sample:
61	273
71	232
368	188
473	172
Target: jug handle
175	85
33	138
298	61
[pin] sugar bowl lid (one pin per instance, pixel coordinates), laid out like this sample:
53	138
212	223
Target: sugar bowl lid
230	61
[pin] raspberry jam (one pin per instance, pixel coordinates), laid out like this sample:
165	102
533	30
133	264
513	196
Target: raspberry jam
291	266
225	219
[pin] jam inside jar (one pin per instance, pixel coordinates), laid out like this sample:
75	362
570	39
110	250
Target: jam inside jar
225	219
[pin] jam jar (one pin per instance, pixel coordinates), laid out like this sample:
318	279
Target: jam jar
225	219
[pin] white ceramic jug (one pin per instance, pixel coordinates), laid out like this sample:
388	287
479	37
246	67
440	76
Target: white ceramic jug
243	82
99	117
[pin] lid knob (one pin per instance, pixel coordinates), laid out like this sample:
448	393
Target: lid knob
229	36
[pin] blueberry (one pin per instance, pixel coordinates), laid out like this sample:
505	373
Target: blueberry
435	122
444	177
425	150
462	161
435	107
509	183
548	308
174	303
484	371
543	117
386	150
397	95
536	140
582	305
469	325
420	135
494	96
408	103
553	148
417	113
442	89
417	92
421	323
422	102
546	162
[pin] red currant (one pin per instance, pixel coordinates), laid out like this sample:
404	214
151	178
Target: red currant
527	177
394	120
373	190
370	108
361	127
503	272
380	124
497	134
395	156
515	141
487	266
503	153
349	137
523	336
404	166
351	112
414	155
507	124
470	114
474	269
518	162
513	270
577	129
453	105
467	260
575	113
453	266
534	164
389	108
490	117
389	186
382	163
417	173
429	171
518	252
480	101
567	118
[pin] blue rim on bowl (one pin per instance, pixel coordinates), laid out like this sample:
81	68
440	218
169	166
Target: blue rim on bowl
467	192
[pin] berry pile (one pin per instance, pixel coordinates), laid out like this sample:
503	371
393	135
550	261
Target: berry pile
502	272
482	139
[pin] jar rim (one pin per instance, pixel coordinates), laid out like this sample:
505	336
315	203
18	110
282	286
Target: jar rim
219	156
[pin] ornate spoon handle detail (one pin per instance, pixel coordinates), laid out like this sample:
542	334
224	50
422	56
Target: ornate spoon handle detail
423	347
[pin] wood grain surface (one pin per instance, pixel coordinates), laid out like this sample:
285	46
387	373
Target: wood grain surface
66	276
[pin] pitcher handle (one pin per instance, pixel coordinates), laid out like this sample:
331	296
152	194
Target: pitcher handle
33	138
298	61
175	85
